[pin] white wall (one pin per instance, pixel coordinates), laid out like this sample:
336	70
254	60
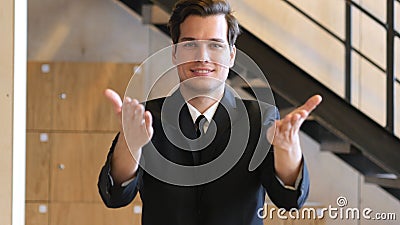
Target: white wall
6	104
13	24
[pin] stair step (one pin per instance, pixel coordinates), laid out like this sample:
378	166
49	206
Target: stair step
385	180
153	14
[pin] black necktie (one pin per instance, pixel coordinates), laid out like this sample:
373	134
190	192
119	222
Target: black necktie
199	125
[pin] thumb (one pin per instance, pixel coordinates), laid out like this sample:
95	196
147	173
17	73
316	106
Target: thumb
271	132
115	99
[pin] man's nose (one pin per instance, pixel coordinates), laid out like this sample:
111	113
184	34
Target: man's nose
202	53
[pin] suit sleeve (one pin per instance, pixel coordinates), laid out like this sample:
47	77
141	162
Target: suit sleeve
280	195
115	196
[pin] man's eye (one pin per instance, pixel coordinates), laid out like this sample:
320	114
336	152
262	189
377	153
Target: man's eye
216	46
189	44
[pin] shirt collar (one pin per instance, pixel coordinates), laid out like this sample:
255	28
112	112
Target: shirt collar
209	113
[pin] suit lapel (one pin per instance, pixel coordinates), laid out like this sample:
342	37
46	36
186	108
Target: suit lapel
182	128
226	115
175	117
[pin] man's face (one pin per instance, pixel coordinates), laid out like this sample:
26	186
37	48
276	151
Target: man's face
203	56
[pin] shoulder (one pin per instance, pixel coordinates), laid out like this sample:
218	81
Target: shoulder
154	103
257	106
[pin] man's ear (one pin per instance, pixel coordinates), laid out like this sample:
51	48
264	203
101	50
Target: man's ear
232	56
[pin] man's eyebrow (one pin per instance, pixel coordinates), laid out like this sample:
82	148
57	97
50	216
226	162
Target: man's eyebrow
217	40
187	39
193	39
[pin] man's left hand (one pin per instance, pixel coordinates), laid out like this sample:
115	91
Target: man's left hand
284	136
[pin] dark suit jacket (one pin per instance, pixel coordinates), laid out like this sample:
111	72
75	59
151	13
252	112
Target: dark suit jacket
235	196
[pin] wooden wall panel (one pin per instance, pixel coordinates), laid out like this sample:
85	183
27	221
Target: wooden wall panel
39	97
76	160
79	100
36	214
37	166
63	167
92	213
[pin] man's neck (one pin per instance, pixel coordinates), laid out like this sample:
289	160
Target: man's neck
203	102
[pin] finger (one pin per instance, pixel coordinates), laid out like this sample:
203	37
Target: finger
133	111
149	123
135	101
286	123
272	130
115	99
139	110
127	107
295	118
138	116
297	121
299	115
311	103
128	100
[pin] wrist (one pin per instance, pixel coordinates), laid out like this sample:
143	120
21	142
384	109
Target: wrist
291	152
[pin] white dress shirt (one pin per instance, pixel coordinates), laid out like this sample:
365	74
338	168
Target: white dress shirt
209	113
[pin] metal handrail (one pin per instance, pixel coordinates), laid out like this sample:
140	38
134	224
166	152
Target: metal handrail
370	15
391	34
314	21
374	18
396	33
338	38
390	76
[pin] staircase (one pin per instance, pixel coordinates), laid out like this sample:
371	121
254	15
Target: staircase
337	125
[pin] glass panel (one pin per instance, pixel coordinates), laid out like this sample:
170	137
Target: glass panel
397	16
330	13
376	8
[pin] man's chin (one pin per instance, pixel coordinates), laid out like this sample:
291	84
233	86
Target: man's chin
198	89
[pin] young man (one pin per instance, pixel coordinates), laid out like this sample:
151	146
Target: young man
233	126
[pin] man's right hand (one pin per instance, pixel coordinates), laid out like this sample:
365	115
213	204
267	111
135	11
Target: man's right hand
136	123
135	126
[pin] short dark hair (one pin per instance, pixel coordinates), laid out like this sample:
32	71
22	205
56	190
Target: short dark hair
203	8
